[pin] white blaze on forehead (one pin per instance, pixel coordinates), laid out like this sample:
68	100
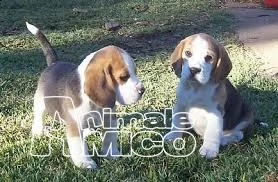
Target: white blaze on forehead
199	47
34	30
129	63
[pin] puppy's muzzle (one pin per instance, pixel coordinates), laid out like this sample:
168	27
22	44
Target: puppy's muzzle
140	88
194	70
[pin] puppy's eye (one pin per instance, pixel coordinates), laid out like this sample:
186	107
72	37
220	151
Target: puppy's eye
188	53
208	58
124	77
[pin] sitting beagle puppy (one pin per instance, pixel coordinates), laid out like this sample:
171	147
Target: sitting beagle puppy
214	108
103	78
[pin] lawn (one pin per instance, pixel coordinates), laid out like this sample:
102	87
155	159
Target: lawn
149	32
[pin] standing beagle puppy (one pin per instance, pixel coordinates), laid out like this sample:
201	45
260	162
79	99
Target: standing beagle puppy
77	92
214	107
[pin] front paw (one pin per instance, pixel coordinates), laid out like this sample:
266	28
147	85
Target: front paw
84	162
232	138
209	151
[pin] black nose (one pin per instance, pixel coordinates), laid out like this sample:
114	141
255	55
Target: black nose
140	88
194	70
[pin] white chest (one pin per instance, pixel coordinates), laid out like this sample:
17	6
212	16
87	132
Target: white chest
197	103
200	97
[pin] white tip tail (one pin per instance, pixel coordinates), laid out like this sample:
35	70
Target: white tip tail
263	124
34	30
48	51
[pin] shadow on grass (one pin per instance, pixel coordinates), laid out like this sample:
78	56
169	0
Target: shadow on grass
264	106
54	15
143	45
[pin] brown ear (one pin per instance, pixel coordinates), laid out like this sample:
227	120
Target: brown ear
99	86
176	59
223	65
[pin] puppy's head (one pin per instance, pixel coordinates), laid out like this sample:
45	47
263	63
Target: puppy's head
110	76
202	58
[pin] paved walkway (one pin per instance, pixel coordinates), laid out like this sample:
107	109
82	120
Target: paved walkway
257	28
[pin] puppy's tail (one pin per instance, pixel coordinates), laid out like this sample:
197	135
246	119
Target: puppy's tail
48	51
261	123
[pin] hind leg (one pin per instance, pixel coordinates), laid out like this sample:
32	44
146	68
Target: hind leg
231	137
39	111
235	135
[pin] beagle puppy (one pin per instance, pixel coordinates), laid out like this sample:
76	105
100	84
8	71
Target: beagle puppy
214	108
77	92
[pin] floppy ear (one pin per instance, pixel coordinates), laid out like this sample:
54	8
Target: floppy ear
99	86
176	59
223	65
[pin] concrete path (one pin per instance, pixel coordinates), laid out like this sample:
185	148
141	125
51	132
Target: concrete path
257	28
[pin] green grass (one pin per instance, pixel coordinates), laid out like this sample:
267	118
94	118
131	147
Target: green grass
150	31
